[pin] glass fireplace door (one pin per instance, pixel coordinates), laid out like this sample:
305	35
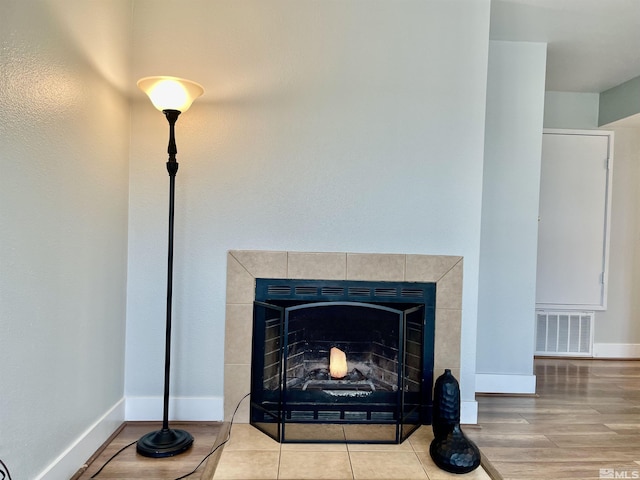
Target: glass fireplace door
266	374
413	370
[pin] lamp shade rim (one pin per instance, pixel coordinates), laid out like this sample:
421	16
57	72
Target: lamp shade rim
170	93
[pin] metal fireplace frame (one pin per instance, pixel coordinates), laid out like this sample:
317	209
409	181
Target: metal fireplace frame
343	412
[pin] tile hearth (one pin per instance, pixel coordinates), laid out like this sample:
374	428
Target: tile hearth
250	454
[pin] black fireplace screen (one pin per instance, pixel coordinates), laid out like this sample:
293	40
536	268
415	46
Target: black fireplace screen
342	361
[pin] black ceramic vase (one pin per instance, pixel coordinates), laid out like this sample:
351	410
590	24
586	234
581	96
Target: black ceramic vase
450	449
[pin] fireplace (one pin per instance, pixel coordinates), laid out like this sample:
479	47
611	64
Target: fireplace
336	361
244	267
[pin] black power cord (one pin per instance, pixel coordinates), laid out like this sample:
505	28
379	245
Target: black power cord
112	457
221	444
7	475
135	441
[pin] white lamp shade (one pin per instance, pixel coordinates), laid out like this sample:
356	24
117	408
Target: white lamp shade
170	93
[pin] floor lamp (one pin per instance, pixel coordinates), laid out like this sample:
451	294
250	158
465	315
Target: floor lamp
172	96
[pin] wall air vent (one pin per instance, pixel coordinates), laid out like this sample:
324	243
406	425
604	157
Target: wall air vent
564	333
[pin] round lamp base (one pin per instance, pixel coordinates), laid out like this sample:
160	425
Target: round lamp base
164	443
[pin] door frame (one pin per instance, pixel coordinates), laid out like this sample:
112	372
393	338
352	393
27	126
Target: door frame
607	220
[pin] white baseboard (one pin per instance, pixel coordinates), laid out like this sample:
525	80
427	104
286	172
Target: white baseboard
69	461
501	383
187	409
616	350
469	412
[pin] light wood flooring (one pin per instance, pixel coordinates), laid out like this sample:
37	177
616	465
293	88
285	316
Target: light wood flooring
584	418
131	466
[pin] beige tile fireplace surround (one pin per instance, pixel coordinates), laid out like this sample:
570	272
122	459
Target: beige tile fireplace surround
244	266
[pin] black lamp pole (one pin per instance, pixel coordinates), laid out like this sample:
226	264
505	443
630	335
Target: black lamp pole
167	442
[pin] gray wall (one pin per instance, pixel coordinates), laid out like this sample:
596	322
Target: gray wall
620	102
513	142
575	110
326	126
64	195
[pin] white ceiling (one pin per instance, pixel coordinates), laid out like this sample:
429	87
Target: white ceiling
593	45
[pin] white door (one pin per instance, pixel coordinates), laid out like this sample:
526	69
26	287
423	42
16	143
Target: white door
573	226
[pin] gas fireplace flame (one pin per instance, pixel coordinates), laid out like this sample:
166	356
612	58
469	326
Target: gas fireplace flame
337	363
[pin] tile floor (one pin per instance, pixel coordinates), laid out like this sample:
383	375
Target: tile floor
250	454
